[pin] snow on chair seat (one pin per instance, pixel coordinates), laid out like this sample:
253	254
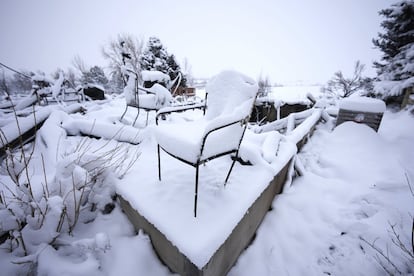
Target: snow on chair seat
231	96
148	99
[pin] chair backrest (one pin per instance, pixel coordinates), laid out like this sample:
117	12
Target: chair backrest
154	97
231	96
230	92
129	89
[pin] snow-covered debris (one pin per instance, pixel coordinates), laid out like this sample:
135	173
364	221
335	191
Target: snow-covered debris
363	104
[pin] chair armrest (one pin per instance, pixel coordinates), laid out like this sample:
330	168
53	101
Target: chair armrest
216	125
182	108
225	121
146	91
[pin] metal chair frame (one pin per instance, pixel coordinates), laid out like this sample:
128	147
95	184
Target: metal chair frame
201	161
136	101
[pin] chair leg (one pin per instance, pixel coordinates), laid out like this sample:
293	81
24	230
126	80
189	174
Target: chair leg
126	108
231	168
146	122
159	162
196	192
136	117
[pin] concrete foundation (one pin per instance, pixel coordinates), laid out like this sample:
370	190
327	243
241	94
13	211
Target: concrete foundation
227	254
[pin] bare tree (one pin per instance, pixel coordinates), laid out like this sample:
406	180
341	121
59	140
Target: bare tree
21	82
187	71
264	86
344	87
114	49
4	84
79	64
71	77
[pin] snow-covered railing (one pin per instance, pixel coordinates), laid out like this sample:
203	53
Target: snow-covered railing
288	123
297	134
21	130
120	133
179	108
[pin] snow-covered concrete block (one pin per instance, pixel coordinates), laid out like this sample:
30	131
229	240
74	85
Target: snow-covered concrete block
363	110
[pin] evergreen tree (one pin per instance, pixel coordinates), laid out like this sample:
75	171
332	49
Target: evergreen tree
95	75
397	42
116	83
156	57
4	84
174	69
22	84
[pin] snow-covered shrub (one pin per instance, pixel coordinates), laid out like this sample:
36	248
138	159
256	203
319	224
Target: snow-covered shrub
39	205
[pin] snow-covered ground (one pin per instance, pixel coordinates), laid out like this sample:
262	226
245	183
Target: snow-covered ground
354	192
295	94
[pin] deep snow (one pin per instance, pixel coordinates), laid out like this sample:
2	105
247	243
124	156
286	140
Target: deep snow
353	189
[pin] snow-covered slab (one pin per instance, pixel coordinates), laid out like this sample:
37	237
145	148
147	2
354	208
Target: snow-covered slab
294	94
168	205
363	104
362	110
154	76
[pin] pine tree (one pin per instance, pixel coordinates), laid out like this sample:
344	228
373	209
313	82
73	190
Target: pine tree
116	83
95	75
174	70
156	57
397	42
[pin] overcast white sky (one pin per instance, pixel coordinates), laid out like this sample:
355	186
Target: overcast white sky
287	40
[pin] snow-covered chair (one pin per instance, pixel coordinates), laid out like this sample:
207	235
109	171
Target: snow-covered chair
148	99
231	96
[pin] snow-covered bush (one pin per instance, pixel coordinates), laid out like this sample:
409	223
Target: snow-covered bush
38	206
35	211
